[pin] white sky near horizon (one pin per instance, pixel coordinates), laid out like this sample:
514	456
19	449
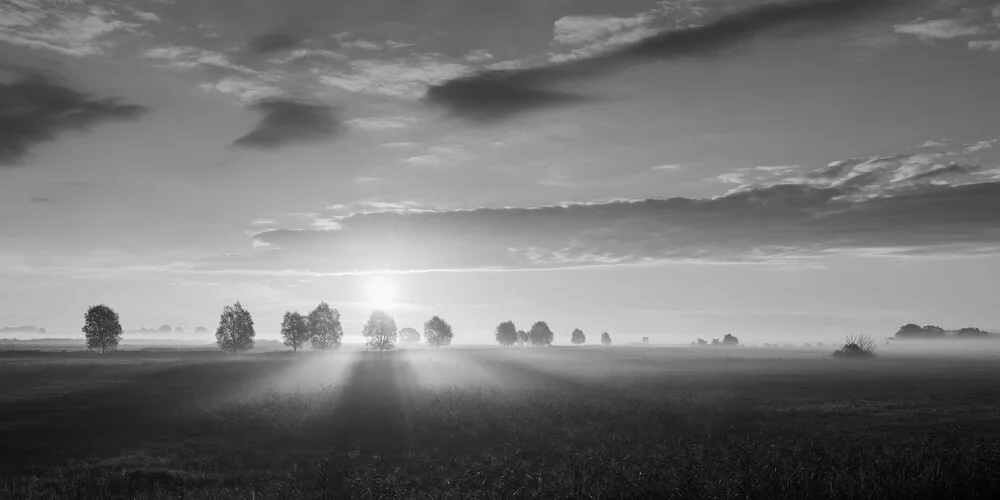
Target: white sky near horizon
166	220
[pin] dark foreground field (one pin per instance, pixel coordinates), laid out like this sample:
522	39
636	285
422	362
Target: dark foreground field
493	423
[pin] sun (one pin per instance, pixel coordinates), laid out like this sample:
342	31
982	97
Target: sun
381	292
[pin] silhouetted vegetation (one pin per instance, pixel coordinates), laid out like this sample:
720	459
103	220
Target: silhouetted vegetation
578	337
294	330
325	330
506	334
857	346
913	331
101	328
522	337
540	334
380	331
235	331
730	340
972	332
437	332
605	338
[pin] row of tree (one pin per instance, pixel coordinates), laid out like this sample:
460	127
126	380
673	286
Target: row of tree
914	331
728	340
320	328
540	334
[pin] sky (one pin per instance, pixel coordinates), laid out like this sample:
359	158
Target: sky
782	171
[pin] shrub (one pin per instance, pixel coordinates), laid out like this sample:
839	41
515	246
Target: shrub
857	346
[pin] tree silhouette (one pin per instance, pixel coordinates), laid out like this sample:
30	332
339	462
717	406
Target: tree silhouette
409	336
294	330
380	331
932	331
201	329
605	338
178	330
540	334
437	332
972	332
702	342
235	331
101	328
165	329
506	334
522	337
909	331
730	340
324	327
578	337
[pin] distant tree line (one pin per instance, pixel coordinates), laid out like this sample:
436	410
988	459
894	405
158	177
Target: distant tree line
728	340
914	331
539	335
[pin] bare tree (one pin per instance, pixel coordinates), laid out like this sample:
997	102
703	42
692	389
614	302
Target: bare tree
380	331
235	331
102	328
437	332
294	330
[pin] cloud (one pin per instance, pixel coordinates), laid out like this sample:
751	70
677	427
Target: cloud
496	94
987	45
36	109
382	122
440	157
853	206
405	77
273	43
70	28
940	29
286	122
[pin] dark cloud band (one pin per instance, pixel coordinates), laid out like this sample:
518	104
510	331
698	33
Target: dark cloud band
284	122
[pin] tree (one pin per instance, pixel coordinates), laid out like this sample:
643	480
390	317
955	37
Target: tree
437	332
101	328
380	331
702	342
409	336
235	331
178	330
909	331
506	334
540	334
716	342
294	330
201	329
324	327
522	337
578	337
972	332
605	338
730	340
165	329
932	331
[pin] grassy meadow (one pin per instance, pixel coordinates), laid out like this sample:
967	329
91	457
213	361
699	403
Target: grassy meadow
555	422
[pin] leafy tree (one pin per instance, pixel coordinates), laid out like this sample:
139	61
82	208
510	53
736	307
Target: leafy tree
506	334
716	342
380	331
437	332
578	337
294	330
522	337
165	329
972	332
605	338
409	336
201	329
235	331
324	327
932	331
909	331
730	340
101	328
702	342
540	334
178	330
645	340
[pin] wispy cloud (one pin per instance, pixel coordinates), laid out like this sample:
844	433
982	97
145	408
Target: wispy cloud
405	77
382	122
70	28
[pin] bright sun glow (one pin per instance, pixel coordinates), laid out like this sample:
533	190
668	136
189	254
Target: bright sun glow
381	292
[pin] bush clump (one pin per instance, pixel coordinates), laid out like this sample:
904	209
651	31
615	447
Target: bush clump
857	346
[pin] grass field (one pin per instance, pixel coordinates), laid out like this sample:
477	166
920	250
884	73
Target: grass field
592	422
